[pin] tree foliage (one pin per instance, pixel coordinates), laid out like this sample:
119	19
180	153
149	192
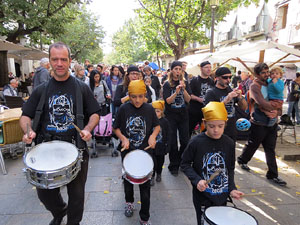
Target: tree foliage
84	36
128	46
32	18
180	22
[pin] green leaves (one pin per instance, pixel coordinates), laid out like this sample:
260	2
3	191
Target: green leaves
180	22
84	36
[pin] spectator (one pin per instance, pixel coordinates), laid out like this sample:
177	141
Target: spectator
42	73
11	88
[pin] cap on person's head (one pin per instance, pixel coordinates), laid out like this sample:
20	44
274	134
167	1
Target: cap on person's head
222	71
176	63
44	61
137	87
214	111
205	63
132	68
159	104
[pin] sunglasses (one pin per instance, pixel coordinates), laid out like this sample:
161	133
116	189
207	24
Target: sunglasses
226	77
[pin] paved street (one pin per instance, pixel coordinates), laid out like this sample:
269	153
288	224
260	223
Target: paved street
171	200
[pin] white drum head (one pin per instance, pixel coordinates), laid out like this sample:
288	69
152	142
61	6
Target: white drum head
51	155
224	215
138	163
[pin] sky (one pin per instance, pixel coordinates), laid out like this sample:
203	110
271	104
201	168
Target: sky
112	15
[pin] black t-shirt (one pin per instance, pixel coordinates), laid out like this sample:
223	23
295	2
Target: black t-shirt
199	87
136	124
202	157
156	85
60	106
163	139
218	95
179	105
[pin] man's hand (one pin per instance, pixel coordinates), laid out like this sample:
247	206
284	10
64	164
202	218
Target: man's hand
202	185
85	135
28	139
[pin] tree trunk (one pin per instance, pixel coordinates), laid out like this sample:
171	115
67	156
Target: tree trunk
3	68
157	58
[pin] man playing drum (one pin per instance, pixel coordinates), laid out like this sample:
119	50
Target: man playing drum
207	153
55	107
137	126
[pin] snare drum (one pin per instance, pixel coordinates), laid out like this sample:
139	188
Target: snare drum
52	164
225	215
138	167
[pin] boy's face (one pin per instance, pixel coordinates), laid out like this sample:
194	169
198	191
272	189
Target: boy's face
275	74
137	99
215	129
158	113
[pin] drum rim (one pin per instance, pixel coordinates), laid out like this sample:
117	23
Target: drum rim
212	223
55	170
138	177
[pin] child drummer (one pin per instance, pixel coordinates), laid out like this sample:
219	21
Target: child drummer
137	126
206	153
162	140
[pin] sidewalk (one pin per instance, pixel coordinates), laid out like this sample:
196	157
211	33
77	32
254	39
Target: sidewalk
171	200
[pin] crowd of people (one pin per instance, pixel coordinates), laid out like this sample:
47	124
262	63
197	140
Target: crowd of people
177	104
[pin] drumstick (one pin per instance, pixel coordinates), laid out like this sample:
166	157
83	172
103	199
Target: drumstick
253	194
27	130
213	176
77	128
123	149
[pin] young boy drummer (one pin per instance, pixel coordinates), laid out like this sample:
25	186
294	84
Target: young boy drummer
162	140
137	126
206	153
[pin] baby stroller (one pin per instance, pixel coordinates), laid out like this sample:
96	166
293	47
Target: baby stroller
103	134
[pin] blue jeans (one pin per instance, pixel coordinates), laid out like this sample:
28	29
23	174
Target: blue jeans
290	109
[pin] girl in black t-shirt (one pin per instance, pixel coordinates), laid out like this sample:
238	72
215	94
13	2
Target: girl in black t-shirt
176	93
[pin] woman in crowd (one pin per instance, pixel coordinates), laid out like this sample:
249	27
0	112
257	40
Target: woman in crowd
101	91
121	95
113	80
79	74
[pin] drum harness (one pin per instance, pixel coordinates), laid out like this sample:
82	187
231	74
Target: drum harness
79	118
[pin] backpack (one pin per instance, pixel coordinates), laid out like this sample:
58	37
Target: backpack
104	127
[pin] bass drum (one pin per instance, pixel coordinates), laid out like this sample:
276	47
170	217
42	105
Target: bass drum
52	164
226	215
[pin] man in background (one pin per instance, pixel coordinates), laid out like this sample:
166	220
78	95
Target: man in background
41	74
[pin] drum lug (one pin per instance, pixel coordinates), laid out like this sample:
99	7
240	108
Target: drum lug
24	170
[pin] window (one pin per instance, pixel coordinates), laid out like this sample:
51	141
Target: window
282	16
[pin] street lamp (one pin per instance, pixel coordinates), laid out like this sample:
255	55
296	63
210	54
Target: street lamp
213	4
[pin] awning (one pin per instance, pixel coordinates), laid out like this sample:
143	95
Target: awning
7	46
249	54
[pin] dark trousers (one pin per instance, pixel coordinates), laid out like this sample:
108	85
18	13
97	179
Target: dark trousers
159	162
178	122
194	119
144	195
266	136
53	201
200	205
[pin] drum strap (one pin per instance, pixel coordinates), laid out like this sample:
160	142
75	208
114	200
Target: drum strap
39	109
79	115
